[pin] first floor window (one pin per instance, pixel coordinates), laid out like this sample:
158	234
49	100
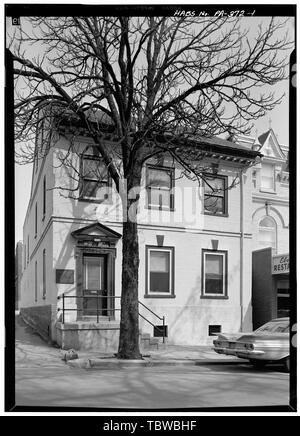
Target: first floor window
44	274
160	271
44	196
214	273
35	282
35	221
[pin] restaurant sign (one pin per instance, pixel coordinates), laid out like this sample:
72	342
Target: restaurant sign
281	264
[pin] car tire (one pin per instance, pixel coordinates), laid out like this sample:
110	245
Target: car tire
258	364
286	364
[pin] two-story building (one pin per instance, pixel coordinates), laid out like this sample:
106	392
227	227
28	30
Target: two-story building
195	244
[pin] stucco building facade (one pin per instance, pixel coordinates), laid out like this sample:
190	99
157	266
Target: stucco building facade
195	246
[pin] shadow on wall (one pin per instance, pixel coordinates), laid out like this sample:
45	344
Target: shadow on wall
197	313
247	319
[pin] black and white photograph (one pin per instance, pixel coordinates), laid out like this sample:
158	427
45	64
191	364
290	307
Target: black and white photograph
149	230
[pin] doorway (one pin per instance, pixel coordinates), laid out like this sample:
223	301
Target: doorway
95	285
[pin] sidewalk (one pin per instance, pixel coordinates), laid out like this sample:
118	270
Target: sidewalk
171	355
33	351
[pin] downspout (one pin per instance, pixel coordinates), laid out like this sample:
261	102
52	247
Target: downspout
241	249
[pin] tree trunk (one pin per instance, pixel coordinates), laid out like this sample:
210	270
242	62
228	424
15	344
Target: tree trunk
129	325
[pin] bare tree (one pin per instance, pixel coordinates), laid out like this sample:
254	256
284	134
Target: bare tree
157	83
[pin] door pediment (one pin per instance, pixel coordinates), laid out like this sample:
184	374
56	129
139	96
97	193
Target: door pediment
96	232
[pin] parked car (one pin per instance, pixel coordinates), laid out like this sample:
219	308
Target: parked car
269	343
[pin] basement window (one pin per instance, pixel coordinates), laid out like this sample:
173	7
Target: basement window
160	331
212	329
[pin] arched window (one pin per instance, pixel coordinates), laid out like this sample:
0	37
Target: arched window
267	233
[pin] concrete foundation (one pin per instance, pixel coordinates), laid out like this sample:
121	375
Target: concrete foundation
83	335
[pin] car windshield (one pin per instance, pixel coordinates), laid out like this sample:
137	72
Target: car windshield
274	327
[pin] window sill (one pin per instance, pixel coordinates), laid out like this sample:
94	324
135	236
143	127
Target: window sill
214	297
267	191
159	296
164	209
90	200
224	215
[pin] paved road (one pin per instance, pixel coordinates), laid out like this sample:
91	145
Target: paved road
43	379
162	387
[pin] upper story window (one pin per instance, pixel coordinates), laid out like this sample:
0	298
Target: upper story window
95	181
254	179
24	257
267	179
160	182
36	159
44	274
267	233
35	282
215	195
44	197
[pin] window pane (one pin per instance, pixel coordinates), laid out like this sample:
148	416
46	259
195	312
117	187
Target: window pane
214	204
94	273
159	282
267	222
159	178
267	182
267	238
159	261
267	170
159	197
214	264
94	169
213	285
267	176
216	185
95	190
213	274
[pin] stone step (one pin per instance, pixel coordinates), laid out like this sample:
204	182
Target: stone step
145	336
148	342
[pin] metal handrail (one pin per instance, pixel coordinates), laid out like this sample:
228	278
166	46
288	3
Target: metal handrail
64	309
151	310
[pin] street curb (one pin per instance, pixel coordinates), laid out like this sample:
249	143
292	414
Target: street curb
120	364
